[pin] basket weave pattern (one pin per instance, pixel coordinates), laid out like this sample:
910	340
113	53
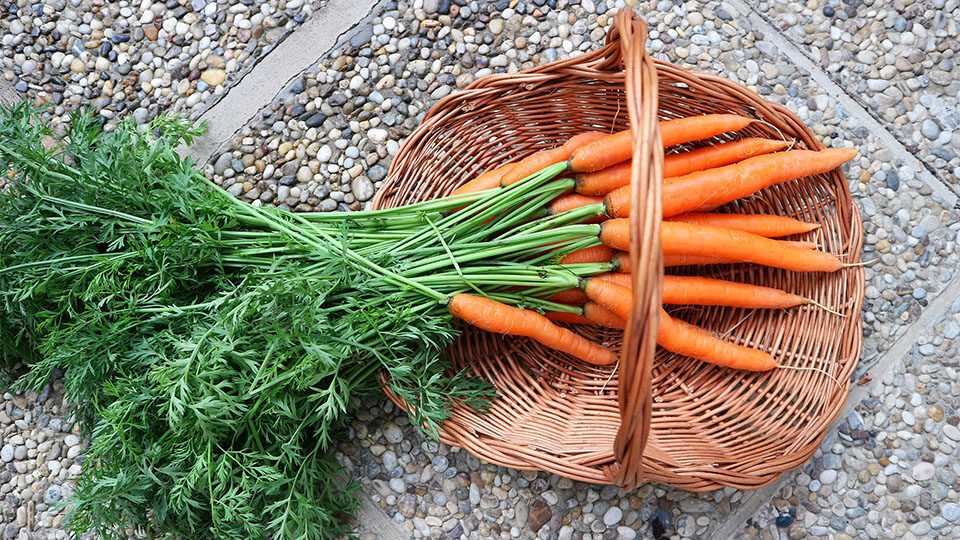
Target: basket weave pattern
655	416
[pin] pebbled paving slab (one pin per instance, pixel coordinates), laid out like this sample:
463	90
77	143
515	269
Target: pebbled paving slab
138	58
892	469
898	58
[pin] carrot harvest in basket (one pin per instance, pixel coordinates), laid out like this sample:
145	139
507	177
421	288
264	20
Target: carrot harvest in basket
618	147
534	163
770	226
493	316
606	180
677	238
705	190
487	180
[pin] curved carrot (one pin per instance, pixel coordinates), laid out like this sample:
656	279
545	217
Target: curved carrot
602	316
493	316
705	291
621	279
683	338
594	254
617	299
573	297
717	155
592	315
487	180
677	238
567	317
618	147
770	226
606	180
571	201
706	190
536	162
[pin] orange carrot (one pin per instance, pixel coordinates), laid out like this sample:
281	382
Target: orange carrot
572	201
718	292
683	338
693	260
574	297
677	238
618	147
544	158
487	180
770	226
593	315
718	155
606	180
567	317
608	294
595	254
706	190
602	316
493	316
621	279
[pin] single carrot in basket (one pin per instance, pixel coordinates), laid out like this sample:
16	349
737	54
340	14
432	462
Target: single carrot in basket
767	225
591	315
493	316
544	158
677	238
705	291
573	297
683	338
487	180
705	190
594	254
571	201
708	157
567	317
606	180
602	316
618	147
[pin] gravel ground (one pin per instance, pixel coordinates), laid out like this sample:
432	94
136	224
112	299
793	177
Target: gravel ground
899	58
40	454
892	471
138	57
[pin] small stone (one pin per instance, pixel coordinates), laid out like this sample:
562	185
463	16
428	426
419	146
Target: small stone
393	433
951	432
923	471
377	135
612	516
930	129
71	440
626	533
398	485
6	453
362	188
951	512
213	77
540	514
52	495
828	476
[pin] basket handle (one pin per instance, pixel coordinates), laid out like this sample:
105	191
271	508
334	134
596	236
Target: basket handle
639	341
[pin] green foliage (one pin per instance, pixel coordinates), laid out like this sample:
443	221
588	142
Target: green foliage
212	350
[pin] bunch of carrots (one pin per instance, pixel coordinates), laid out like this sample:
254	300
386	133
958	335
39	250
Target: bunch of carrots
695	183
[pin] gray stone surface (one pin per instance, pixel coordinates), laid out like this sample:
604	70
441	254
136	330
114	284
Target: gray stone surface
891	471
138	58
898	58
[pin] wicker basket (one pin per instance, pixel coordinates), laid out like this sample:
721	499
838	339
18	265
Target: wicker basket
656	417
